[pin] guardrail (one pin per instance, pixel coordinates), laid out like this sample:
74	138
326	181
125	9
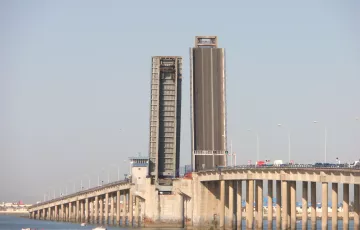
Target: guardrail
264	167
82	192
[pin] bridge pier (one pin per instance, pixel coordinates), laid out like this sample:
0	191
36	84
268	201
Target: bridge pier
49	217
239	204
96	211
324	206
334	213
270	204
345	206
293	204
231	205
222	205
106	208
284	202
305	191
118	194
249	204
356	206
85	217
131	207
278	204
259	204
313	205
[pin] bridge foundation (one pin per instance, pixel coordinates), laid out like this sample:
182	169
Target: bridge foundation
305	192
345	206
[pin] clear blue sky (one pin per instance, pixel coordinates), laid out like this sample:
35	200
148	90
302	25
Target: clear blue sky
75	82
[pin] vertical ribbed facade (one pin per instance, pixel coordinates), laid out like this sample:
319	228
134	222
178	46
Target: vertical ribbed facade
208	103
165	117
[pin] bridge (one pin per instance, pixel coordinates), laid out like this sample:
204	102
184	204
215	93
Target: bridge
212	198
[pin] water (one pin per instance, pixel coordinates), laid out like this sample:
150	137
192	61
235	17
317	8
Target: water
298	225
16	223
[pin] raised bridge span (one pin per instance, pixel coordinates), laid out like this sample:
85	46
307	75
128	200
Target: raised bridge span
213	198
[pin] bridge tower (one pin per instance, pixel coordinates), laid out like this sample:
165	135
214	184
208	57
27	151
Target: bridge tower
165	118
208	104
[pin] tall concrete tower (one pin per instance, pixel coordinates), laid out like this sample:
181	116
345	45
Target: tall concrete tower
208	104
165	118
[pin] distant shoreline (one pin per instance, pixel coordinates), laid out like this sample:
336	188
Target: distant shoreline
19	214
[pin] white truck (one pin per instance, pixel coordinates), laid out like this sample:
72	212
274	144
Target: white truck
355	164
278	162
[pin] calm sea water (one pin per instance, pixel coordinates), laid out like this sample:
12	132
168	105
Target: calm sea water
16	223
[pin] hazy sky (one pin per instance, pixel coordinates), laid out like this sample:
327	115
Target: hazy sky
75	83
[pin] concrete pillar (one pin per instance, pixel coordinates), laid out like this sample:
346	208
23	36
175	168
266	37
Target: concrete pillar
284	203
111	218
231	204
92	210
71	217
334	201
49	214
82	213
117	207
278	204
270	204
131	206
288	205
136	211
356	206
62	212
346	206
313	205
101	213
87	211
96	210
67	214
222	205
204	200
324	205
124	209
181	209
239	205
56	214
77	214
249	204
304	221
259	202
106	208
293	204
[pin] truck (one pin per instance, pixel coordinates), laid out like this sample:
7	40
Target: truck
263	163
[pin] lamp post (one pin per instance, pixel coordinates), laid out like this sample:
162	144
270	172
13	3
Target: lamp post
325	144
89	179
118	173
257	145
102	170
289	142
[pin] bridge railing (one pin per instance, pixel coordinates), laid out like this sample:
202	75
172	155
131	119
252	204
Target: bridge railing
82	192
295	166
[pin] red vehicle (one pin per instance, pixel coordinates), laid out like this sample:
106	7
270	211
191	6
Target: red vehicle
263	163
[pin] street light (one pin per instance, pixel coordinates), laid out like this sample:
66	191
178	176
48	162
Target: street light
88	178
257	144
102	170
289	140
325	146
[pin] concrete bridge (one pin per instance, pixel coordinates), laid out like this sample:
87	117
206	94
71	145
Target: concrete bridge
212	198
